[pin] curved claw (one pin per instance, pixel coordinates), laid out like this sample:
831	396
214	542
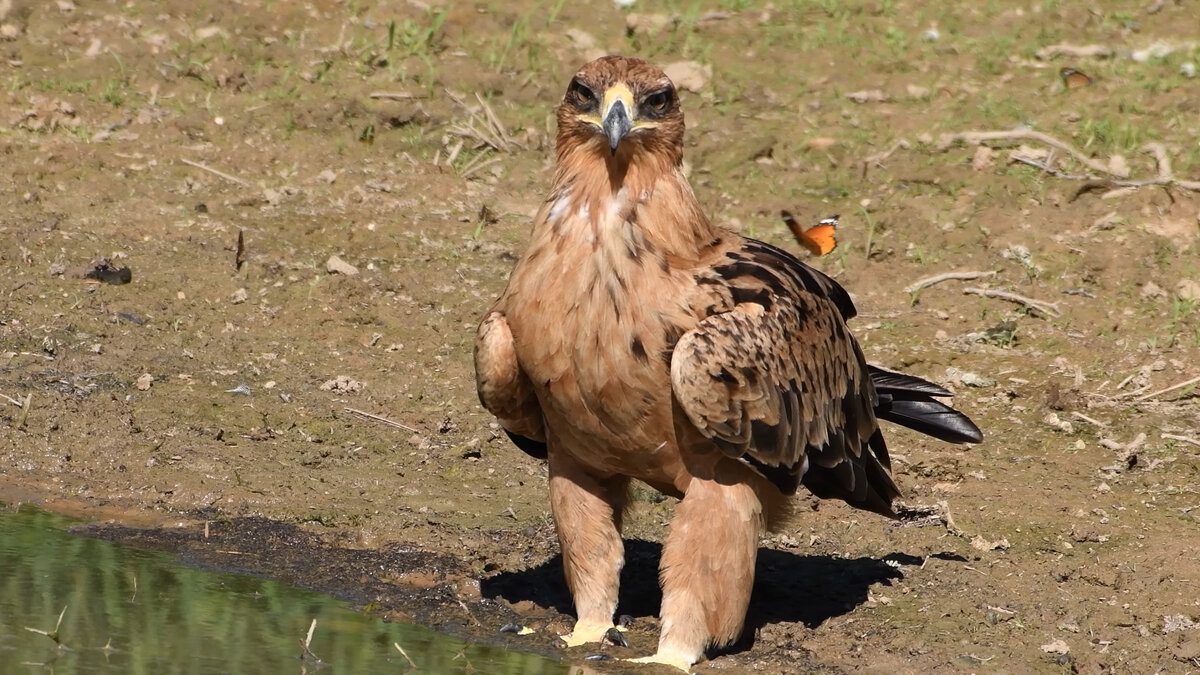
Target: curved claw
613	636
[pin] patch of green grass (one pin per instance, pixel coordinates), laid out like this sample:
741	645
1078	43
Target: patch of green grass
59	85
114	93
1106	134
417	38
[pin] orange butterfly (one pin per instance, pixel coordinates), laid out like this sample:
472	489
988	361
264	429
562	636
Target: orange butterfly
1074	79
819	239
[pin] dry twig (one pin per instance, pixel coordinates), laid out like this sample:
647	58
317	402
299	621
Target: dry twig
307	653
393	95
483	126
222	174
948	276
1085	418
1171	388
381	420
874	160
404	654
1165	177
1182	439
1040	306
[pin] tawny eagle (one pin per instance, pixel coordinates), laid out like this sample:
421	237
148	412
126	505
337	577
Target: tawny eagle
636	339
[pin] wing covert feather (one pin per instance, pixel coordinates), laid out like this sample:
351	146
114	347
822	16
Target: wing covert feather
779	381
504	390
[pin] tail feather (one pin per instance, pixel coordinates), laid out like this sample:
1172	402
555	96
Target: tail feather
909	401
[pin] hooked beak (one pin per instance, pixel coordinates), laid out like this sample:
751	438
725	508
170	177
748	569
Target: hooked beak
616	124
616	114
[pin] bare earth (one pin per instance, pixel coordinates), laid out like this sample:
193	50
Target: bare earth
152	134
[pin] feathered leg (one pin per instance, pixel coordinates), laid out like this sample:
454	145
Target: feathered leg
707	568
587	516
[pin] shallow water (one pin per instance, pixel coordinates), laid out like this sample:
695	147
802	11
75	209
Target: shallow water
134	611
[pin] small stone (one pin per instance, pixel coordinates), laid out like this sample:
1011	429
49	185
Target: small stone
143	382
1151	290
647	24
239	296
867	96
1118	166
918	92
1188	289
689	75
984	156
981	544
336	265
820	142
1056	647
342	385
581	38
1177	622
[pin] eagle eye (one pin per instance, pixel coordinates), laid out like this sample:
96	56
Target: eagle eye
658	103
580	96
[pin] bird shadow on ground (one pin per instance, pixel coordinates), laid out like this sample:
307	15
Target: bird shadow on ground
788	587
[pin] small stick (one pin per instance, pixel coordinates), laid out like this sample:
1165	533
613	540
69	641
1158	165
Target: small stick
222	174
1046	308
1162	160
1173	387
876	159
475	166
1089	420
404	654
948	276
393	95
1051	170
1184	439
469	614
25	410
53	635
13	401
979	137
308	653
382	420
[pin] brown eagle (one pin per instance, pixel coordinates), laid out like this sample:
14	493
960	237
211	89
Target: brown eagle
638	340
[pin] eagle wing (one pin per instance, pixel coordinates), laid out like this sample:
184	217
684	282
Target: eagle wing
774	377
504	389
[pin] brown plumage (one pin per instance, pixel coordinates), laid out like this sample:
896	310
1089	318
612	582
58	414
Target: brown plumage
638	340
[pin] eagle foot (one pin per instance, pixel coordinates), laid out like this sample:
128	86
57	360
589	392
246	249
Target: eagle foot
667	659
586	633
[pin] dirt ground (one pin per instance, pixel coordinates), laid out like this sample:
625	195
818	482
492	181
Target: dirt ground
413	142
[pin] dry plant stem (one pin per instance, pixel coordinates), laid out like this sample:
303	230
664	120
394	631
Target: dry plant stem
25	411
404	654
1171	388
381	420
1085	418
874	160
1040	306
393	95
307	653
222	174
1162	160
948	276
980	137
1182	439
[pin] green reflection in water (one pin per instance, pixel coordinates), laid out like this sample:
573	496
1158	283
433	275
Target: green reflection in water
156	616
